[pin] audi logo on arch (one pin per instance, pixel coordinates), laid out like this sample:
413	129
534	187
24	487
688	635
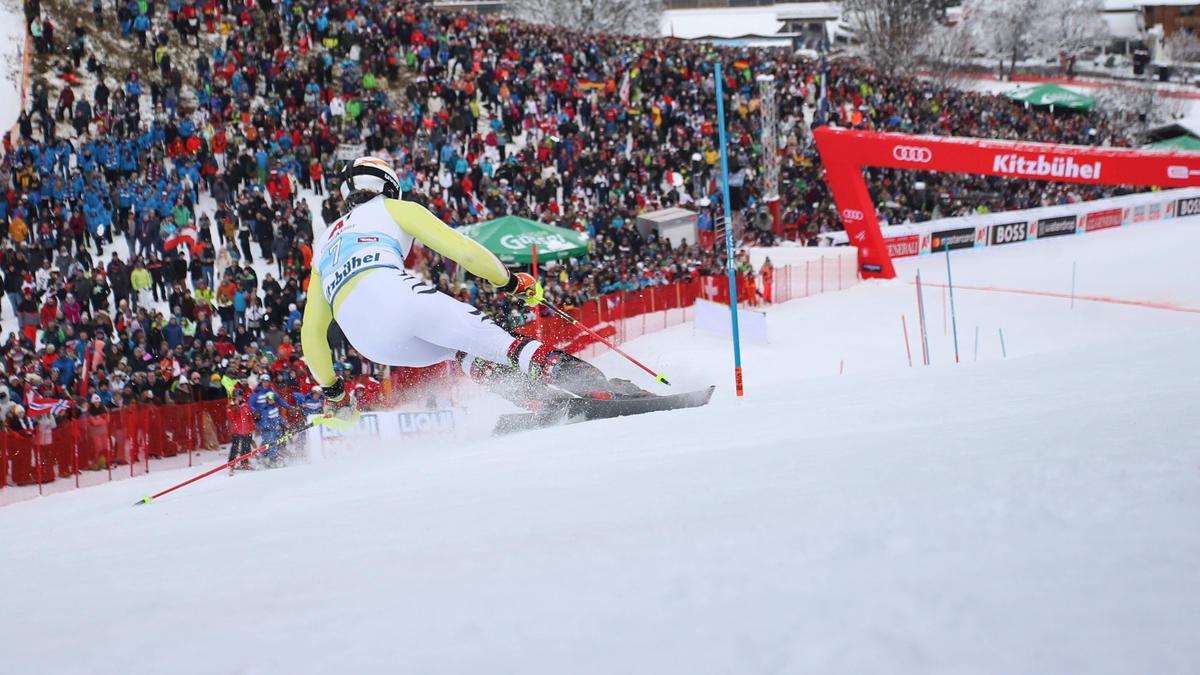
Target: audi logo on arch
912	153
852	214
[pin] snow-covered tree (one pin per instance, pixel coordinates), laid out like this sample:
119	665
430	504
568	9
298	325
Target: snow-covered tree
1134	109
1019	29
947	52
890	33
1006	30
627	17
1182	47
1073	26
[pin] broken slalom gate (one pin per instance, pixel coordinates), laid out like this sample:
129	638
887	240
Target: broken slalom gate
331	422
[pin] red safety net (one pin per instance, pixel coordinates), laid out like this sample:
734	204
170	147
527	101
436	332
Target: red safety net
121	443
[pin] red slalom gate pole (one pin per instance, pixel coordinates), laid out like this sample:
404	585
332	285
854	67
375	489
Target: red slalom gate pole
658	377
907	349
282	439
921	311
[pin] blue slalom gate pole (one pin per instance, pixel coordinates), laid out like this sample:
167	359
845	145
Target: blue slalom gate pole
737	345
953	320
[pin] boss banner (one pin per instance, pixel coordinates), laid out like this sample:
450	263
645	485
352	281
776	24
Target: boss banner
845	152
1187	207
1009	233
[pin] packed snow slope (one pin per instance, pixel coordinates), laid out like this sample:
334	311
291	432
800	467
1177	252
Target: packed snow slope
1029	514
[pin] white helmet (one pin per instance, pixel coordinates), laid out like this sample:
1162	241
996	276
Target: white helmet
369	174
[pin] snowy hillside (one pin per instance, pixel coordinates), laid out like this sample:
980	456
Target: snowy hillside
1029	514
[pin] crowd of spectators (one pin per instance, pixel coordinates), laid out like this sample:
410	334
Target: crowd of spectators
234	131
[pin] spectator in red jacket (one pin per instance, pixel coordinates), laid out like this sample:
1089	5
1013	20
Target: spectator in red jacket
241	421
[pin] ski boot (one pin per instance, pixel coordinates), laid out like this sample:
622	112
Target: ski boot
581	378
509	383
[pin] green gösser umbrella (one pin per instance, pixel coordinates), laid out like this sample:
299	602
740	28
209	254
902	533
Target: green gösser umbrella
1052	94
512	239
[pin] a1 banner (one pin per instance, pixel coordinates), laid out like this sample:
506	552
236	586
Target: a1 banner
1055	227
1009	233
1100	220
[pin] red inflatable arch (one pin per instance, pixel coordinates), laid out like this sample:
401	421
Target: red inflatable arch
844	153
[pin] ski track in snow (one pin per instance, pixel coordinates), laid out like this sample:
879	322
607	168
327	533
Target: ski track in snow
1034	513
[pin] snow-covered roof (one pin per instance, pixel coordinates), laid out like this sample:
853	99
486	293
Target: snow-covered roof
1189	125
742	22
1124	25
809	10
1137	5
691	24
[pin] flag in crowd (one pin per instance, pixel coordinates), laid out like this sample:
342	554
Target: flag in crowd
37	405
184	235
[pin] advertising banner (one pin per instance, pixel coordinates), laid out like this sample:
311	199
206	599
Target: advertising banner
963	237
1187	207
1009	233
324	442
1056	227
1100	220
715	318
903	247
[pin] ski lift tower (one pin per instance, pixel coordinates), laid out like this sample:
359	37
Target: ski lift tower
770	149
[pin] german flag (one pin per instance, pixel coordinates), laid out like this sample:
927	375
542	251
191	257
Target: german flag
585	84
741	64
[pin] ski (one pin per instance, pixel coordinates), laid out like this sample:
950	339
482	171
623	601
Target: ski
575	410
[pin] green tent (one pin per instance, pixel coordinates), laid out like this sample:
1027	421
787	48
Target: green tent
512	239
1054	95
1184	142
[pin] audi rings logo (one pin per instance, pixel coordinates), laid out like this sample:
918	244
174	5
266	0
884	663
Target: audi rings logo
912	153
852	214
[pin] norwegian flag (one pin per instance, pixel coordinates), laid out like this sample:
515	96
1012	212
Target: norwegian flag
36	405
184	235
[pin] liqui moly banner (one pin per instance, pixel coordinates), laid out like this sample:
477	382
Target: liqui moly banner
845	152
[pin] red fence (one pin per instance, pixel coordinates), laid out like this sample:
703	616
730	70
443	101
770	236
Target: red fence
620	317
121	443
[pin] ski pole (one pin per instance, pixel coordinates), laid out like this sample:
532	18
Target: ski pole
658	377
226	465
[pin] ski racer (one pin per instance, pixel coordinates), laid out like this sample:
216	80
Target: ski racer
312	403
265	403
241	421
360	278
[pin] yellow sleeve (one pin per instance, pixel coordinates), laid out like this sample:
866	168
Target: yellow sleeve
314	331
431	231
